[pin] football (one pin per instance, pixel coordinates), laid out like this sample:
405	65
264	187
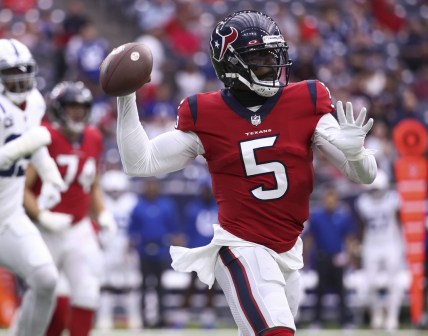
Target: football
126	69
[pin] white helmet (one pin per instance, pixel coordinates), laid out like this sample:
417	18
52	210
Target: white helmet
17	70
381	182
115	181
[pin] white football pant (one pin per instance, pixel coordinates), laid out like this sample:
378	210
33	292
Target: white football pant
78	256
24	253
386	261
260	294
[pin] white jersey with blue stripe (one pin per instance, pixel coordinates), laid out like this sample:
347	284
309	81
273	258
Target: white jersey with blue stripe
380	218
14	122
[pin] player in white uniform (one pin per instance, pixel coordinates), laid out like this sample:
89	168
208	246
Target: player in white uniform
382	251
122	277
76	147
23	140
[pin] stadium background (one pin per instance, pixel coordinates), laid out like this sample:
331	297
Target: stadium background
371	52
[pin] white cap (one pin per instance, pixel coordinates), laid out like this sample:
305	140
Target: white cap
114	180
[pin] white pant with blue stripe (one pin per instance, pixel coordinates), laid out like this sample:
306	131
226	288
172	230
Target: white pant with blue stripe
261	294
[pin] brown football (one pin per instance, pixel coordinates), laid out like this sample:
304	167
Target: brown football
126	69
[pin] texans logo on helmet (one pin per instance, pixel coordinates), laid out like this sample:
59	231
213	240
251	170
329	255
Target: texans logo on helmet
220	43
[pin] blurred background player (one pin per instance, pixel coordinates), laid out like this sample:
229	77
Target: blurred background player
76	148
330	236
22	249
122	278
382	252
153	226
199	216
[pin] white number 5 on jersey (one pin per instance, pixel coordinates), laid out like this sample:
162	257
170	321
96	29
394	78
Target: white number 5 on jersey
252	168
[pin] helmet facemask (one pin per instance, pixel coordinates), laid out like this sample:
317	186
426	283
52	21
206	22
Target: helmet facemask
76	116
260	68
70	106
18	81
17	70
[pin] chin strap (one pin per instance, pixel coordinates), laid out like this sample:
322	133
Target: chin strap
261	90
264	91
17	98
260	87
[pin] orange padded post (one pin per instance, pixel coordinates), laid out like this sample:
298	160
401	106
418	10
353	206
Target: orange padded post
411	171
8	298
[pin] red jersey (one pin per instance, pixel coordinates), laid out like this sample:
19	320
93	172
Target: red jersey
78	164
260	162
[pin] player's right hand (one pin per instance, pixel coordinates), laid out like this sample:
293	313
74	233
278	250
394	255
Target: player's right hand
54	221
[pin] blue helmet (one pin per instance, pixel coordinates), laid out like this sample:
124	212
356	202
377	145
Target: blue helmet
69	93
244	41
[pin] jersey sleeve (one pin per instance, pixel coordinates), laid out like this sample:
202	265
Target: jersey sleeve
187	114
324	103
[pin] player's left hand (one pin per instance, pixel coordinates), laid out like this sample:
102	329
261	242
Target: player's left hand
107	223
50	195
350	135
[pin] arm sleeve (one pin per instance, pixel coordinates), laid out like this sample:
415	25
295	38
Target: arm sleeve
27	143
361	171
46	167
141	156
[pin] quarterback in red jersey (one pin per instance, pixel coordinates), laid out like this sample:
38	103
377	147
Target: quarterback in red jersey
270	165
66	227
257	135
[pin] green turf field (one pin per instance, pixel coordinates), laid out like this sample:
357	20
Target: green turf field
230	332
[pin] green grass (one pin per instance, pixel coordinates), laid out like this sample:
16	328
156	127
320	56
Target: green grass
231	332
